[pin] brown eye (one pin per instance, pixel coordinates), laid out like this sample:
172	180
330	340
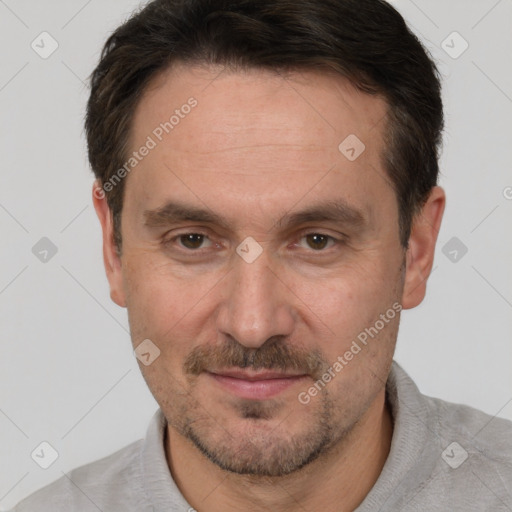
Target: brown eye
192	240
317	241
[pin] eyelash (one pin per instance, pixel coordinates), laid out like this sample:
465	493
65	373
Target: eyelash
334	241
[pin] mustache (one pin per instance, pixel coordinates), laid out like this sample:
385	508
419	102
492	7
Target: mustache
274	354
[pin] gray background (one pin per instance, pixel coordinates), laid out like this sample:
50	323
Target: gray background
67	373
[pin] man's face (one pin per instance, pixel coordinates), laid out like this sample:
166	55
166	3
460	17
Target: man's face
243	335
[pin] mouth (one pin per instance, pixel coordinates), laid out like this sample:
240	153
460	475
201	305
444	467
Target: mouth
255	385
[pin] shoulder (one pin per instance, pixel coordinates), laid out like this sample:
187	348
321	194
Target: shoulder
101	485
489	436
486	435
452	456
475	465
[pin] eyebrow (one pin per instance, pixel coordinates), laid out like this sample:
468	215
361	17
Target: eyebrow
336	211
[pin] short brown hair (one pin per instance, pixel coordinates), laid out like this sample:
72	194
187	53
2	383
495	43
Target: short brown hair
366	41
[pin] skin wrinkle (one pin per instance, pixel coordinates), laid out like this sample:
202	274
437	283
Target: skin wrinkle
292	308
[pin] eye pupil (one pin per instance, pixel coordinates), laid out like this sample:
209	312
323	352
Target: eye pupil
316	241
192	240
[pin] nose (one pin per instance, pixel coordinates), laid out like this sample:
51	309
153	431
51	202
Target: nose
257	303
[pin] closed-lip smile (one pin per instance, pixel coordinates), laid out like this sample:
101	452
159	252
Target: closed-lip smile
255	385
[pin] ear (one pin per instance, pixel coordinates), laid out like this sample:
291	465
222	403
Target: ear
111	258
422	243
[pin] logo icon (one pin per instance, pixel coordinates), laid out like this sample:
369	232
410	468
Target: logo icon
44	455
44	45
352	147
454	250
454	45
454	455
249	250
146	352
44	250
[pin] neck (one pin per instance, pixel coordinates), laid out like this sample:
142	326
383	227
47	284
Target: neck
338	481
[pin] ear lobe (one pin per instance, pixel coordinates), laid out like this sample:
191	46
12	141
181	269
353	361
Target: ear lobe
422	244
111	259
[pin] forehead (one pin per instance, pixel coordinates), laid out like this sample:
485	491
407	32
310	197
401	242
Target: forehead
256	133
302	107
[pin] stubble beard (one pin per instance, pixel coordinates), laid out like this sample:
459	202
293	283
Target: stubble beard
260	450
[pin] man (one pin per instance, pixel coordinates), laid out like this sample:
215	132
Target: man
267	190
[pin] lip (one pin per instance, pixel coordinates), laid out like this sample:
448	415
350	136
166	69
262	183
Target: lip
253	385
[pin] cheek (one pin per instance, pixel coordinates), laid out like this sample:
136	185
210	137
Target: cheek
352	294
149	295
346	307
163	304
